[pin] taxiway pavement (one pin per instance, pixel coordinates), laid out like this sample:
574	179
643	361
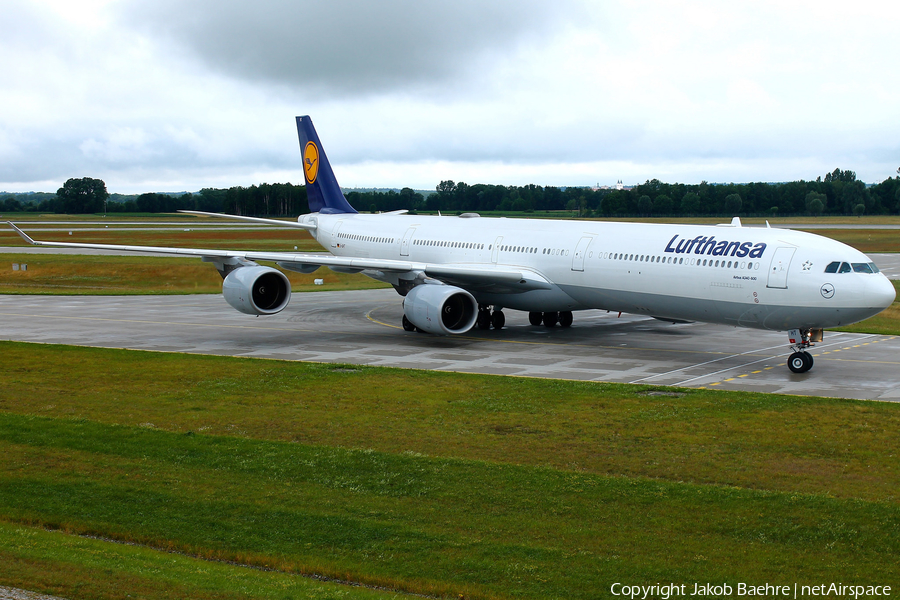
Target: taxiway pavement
363	327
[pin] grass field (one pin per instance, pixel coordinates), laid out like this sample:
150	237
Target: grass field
864	240
433	483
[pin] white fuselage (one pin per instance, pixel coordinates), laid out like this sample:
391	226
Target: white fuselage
748	276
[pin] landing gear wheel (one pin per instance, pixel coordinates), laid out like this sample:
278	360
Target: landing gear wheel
407	324
484	319
800	362
551	319
535	318
498	319
566	318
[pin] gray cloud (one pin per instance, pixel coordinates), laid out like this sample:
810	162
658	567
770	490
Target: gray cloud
344	46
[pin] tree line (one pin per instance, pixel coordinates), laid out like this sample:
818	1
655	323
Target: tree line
837	193
87	195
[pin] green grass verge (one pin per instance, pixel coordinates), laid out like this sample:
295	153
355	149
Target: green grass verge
864	240
71	566
428	525
445	484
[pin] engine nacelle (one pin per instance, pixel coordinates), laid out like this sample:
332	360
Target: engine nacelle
257	290
440	309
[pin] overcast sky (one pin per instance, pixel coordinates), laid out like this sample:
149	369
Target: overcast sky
166	95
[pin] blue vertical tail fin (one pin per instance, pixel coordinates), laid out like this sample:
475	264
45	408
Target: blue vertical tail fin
322	190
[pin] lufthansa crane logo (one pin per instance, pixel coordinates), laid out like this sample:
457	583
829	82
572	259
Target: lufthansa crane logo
311	162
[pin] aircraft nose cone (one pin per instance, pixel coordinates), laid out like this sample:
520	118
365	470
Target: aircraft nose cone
880	292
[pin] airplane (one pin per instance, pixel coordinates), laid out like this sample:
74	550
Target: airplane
457	273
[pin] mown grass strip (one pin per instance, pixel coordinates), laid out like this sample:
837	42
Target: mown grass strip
74	567
844	448
443	483
426	524
864	240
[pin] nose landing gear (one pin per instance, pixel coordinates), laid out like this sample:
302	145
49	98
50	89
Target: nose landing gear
801	361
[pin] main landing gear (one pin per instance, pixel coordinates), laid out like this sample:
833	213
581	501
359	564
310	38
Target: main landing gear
493	317
550	319
487	319
801	361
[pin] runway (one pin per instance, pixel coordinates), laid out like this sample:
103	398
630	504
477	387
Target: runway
363	328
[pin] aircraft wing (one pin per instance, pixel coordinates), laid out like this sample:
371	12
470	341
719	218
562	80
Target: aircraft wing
484	278
468	276
304	258
278	222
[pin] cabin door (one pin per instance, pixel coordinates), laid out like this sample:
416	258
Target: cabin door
335	232
580	252
778	270
495	252
404	245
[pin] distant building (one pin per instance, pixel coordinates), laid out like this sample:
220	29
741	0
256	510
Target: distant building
619	186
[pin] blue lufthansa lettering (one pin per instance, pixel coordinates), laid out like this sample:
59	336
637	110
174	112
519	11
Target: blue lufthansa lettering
669	247
758	250
709	246
701	245
691	244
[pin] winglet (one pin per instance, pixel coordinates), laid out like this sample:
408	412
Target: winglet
24	235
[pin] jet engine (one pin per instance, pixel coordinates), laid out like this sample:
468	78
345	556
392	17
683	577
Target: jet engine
440	309
257	290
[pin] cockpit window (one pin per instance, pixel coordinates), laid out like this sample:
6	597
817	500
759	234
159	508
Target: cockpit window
842	267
